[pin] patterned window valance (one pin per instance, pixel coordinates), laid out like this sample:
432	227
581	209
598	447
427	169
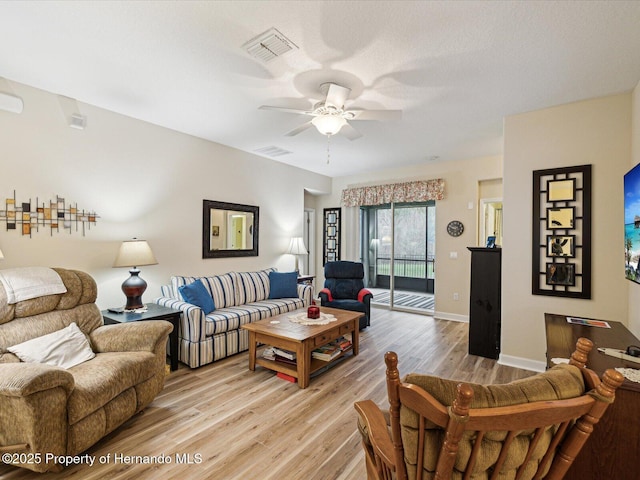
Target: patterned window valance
419	191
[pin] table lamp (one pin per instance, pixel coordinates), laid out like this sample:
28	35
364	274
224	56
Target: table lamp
134	253
296	247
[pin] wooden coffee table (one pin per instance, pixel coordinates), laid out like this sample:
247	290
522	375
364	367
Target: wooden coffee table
302	339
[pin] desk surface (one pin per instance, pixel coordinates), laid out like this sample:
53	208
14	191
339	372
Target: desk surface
562	337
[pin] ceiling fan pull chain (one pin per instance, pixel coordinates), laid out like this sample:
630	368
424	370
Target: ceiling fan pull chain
328	150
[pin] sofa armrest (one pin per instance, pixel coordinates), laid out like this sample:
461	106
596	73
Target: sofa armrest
305	292
130	337
325	296
33	411
22	379
192	320
365	296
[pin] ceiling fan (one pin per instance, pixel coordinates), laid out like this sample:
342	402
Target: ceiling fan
330	117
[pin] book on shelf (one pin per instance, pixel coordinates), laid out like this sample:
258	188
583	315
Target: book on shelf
326	353
268	354
284	353
286	360
343	343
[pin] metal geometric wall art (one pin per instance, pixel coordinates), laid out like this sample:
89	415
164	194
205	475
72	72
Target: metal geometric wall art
562	232
55	216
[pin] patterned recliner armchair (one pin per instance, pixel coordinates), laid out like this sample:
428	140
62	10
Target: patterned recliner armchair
344	288
58	411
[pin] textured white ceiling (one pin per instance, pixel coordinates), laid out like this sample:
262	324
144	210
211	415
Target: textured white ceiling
454	68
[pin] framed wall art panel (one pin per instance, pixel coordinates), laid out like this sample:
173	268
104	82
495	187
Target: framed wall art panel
331	234
561	241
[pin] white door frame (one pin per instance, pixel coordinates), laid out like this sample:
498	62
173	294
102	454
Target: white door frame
309	236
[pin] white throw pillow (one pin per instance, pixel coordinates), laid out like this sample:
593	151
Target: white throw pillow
65	348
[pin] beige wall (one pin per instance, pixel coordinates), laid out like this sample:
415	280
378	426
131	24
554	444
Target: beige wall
596	132
634	288
144	181
461	189
149	182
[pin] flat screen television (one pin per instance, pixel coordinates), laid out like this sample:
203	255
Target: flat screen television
632	224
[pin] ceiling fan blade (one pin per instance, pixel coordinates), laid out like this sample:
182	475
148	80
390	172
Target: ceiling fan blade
375	114
337	95
299	129
285	110
350	132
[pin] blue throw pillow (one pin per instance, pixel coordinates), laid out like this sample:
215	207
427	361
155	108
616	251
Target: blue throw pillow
283	285
196	294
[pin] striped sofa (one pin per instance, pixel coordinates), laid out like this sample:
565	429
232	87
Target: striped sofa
240	298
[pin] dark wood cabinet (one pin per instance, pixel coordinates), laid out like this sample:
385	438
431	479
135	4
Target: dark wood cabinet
484	302
612	450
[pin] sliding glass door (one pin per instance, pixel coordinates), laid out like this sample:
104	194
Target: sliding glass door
398	245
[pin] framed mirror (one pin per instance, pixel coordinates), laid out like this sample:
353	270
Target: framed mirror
561	232
331	234
561	245
560	217
229	229
561	190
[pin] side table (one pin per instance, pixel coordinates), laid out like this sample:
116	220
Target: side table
154	312
306	279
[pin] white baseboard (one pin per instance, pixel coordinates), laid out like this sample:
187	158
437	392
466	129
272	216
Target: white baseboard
451	316
523	363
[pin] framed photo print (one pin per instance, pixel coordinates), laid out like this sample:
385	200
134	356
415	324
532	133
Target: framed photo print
561	274
561	246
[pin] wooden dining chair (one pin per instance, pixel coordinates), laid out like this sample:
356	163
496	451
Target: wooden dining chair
528	429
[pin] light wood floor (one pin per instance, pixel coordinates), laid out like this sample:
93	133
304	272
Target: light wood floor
236	424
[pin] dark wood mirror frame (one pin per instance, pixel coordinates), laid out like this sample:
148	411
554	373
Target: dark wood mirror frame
207	207
564	214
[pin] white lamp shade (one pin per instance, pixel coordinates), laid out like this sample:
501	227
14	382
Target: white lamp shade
135	253
296	246
328	124
1	255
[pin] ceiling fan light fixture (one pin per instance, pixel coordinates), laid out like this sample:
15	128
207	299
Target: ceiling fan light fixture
328	124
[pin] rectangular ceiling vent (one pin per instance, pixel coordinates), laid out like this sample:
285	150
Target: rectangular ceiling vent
272	151
269	45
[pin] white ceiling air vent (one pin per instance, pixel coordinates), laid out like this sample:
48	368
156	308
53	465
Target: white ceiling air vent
269	45
272	151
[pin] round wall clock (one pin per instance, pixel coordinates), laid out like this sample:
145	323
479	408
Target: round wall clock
455	228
